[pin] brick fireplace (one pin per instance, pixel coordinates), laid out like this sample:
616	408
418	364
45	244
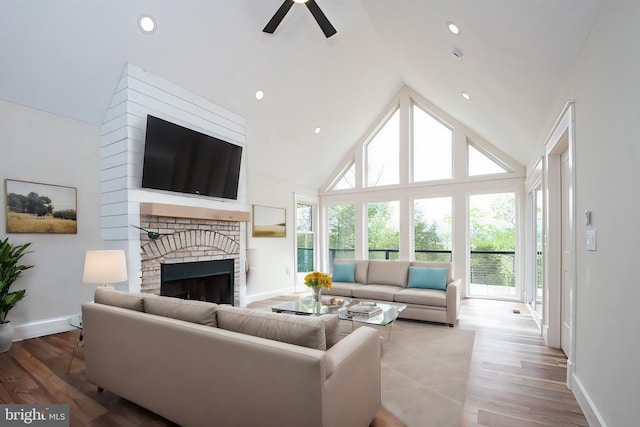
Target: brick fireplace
187	240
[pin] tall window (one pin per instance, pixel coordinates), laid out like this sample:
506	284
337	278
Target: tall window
342	231
382	154
538	283
432	229
432	147
384	230
492	241
305	237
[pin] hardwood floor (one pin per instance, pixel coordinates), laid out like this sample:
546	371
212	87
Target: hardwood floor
514	380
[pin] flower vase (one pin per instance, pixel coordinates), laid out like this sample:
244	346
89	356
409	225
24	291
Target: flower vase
317	294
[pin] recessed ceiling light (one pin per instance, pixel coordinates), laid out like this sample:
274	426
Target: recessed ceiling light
317	131
259	95
453	28
466	96
147	24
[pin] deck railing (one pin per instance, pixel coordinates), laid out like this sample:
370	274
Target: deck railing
492	268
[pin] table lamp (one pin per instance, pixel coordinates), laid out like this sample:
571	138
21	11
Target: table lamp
105	267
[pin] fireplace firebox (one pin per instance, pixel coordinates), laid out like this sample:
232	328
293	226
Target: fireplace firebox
210	281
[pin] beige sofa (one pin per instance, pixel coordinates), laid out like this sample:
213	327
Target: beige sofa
388	281
202	364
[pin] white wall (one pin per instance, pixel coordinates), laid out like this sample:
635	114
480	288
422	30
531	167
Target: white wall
41	147
604	84
272	256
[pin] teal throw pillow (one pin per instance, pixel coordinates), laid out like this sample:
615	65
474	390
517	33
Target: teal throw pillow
428	278
344	272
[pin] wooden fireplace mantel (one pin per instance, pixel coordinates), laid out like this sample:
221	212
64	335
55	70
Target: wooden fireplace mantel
176	211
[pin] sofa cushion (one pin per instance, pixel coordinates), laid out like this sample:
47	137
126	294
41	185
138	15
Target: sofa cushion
342	289
393	273
111	296
376	292
306	331
344	272
362	268
201	312
331	329
431	297
432	264
428	278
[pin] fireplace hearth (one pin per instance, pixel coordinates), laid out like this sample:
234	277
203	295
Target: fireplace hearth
211	281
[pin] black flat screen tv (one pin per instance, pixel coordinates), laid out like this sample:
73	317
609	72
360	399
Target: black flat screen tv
183	160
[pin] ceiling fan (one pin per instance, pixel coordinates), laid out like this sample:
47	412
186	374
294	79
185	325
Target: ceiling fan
313	7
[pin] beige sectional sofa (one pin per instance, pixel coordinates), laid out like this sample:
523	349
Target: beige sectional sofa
398	281
202	364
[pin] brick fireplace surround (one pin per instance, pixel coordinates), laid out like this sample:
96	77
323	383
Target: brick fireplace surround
187	240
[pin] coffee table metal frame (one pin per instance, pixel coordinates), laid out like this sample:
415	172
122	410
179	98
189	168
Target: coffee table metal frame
306	306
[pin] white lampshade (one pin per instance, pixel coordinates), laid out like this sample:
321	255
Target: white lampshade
105	267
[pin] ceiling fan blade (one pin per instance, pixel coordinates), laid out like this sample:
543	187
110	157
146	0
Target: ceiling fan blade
321	18
278	17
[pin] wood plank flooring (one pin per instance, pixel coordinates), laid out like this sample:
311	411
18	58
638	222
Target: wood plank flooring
514	380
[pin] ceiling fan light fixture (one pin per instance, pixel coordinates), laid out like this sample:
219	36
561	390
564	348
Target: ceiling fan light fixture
453	28
147	24
327	28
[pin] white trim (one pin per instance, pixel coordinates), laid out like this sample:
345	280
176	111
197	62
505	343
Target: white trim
554	146
43	327
591	413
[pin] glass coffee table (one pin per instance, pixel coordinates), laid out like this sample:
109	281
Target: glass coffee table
306	306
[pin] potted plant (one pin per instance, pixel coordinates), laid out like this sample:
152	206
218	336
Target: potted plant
10	270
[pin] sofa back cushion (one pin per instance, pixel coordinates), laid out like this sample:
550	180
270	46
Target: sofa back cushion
201	312
429	264
306	331
394	273
331	329
111	296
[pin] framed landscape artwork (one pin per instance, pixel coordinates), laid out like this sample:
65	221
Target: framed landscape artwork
33	207
269	222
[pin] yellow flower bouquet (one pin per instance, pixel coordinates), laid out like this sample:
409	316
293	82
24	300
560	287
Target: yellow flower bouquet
317	281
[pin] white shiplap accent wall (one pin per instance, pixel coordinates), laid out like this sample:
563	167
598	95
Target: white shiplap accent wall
139	93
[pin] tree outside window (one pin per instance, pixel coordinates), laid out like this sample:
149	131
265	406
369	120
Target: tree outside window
384	230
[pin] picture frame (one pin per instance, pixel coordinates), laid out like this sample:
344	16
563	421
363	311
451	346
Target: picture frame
268	221
34	207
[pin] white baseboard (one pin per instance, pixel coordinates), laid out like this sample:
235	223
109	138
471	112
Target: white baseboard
586	404
265	295
42	328
571	369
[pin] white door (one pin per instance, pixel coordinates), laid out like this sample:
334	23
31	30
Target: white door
567	277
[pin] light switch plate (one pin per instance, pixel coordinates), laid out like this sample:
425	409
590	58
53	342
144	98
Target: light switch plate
591	240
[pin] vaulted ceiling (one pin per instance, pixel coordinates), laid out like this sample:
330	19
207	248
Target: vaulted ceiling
66	56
